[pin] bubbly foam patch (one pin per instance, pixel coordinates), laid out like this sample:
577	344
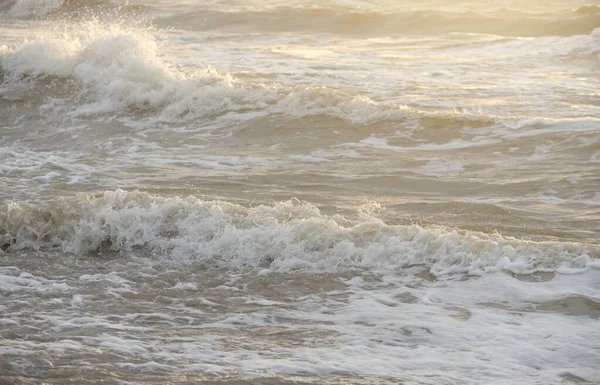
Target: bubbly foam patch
499	328
286	236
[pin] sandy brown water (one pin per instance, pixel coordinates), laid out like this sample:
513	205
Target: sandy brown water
229	192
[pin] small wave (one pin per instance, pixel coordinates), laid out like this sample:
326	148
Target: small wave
567	48
336	20
588	9
353	22
31	8
286	236
576	124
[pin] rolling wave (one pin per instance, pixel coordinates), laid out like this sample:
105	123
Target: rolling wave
112	69
340	19
109	68
287	236
345	21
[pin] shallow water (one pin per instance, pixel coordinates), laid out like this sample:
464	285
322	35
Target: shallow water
263	192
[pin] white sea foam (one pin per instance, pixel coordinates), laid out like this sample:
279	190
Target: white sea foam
540	47
441	167
287	236
26	282
551	125
454	144
460	318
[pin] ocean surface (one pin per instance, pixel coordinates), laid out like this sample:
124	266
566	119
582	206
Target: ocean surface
278	192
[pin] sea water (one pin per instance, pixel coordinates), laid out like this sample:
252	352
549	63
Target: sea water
270	192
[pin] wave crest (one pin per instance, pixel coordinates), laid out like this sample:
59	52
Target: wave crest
286	236
116	69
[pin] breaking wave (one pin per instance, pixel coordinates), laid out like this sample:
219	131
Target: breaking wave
286	236
93	68
112	69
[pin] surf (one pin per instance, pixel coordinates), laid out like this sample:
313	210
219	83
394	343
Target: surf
287	236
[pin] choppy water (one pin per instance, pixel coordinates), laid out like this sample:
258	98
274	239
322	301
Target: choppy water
265	192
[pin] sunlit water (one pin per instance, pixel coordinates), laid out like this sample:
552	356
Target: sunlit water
328	193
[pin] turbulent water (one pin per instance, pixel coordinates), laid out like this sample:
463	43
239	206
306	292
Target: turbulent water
270	192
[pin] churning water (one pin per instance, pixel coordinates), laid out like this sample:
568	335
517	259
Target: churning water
269	192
